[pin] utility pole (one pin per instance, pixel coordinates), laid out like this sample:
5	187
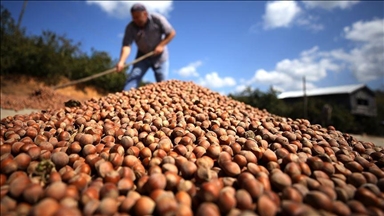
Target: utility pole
21	14
305	99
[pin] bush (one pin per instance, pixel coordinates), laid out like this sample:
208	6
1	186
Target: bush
51	57
261	100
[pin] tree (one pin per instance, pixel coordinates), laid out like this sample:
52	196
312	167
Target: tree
51	57
261	100
11	37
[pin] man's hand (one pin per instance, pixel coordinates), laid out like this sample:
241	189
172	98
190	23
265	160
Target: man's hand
119	66
158	50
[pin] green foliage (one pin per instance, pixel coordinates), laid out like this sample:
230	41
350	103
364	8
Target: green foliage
343	120
11	37
99	61
268	100
51	57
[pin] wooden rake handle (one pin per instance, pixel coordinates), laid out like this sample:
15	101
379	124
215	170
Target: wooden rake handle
103	73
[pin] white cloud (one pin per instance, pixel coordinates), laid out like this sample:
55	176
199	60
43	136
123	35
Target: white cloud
366	31
212	80
364	60
121	9
283	14
288	73
310	65
329	5
240	88
190	69
280	14
272	77
279	80
310	22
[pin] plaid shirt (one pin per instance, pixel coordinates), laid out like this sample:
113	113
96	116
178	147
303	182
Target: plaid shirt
148	37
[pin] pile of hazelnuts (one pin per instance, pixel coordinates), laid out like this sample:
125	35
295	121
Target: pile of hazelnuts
177	148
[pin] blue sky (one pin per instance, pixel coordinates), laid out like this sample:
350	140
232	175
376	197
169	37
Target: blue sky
228	45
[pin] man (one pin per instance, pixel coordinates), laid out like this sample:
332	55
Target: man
147	30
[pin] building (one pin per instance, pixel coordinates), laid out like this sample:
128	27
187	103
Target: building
358	99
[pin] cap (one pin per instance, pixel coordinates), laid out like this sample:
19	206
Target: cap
137	7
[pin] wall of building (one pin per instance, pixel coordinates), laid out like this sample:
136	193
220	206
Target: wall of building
363	103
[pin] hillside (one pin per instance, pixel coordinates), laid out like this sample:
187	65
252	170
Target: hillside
23	92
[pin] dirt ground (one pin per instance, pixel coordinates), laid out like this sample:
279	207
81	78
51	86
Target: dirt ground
21	92
379	141
23	85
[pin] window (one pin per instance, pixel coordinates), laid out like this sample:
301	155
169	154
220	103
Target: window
363	102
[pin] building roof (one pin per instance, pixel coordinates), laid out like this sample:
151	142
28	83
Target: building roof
346	89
